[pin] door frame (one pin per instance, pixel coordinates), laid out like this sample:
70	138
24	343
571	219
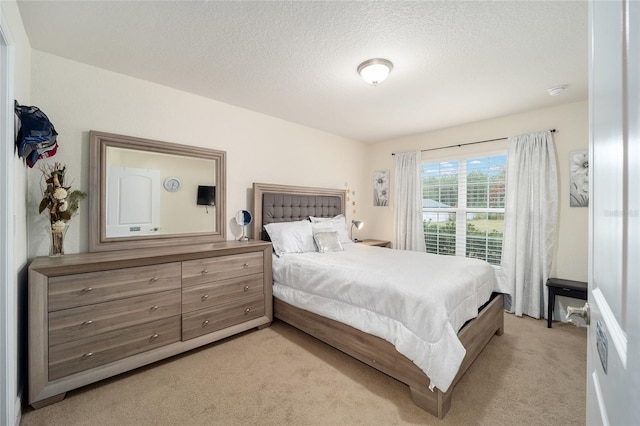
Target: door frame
9	398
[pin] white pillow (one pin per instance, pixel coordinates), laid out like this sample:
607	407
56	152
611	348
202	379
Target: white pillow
327	241
338	224
291	237
325	226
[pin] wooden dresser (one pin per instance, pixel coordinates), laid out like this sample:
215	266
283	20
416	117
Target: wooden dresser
95	315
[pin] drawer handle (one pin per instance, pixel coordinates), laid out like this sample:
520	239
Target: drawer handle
154	279
205	271
87	289
87	322
155	307
246	265
246	288
155	336
246	311
87	355
205	322
204	297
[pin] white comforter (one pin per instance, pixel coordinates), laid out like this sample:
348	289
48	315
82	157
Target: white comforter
416	301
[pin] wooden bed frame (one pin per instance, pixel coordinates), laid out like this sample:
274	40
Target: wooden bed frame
372	350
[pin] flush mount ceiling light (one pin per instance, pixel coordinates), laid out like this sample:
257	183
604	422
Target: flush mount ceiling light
556	90
375	71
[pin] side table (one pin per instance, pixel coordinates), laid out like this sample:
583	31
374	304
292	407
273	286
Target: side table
568	288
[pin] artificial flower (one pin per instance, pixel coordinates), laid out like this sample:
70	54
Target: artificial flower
61	202
60	194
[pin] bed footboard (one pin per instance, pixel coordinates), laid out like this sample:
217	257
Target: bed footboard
382	355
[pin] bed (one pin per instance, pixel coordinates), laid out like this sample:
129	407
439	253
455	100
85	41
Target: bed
282	203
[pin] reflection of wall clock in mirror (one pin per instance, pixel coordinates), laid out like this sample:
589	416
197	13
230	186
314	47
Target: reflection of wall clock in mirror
172	184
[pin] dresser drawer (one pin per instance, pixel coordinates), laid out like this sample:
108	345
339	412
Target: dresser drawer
203	271
205	321
221	292
75	290
104	348
78	323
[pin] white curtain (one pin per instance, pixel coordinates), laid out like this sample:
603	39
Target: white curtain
408	229
531	217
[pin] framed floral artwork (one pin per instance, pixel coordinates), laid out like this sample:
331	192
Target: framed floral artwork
579	179
381	188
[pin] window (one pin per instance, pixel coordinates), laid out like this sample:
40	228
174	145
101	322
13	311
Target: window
463	206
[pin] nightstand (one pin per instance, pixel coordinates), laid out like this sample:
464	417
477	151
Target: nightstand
568	288
377	243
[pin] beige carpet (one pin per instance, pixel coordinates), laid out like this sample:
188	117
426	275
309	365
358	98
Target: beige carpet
280	376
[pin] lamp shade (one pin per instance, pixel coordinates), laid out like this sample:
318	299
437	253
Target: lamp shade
375	71
357	224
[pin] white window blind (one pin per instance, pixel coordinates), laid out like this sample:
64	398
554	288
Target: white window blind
463	206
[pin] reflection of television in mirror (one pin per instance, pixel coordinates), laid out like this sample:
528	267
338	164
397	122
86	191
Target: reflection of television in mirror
206	195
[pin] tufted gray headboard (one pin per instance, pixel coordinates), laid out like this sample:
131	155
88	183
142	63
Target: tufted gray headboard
285	203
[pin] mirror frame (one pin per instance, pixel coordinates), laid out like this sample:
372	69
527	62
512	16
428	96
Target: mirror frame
98	241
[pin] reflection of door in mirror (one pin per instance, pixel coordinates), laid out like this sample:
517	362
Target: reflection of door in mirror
133	201
243	218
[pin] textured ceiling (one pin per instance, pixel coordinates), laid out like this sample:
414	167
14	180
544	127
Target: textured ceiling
454	62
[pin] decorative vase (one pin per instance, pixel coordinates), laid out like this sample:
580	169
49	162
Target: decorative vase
56	248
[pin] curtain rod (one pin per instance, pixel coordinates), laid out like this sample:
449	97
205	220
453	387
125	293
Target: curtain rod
468	143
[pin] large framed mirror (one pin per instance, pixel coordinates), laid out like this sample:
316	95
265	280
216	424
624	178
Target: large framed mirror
145	193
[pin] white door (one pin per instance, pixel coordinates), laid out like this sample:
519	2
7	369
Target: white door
133	200
613	347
